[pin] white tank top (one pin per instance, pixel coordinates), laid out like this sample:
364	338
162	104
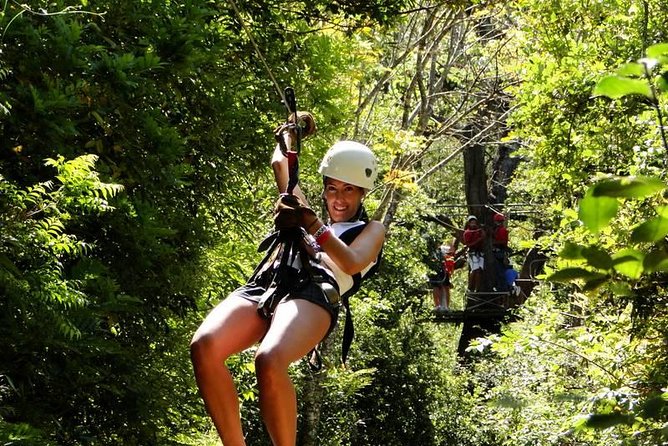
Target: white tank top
345	281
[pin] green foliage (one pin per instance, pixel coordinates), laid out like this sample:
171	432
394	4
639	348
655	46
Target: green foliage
643	77
45	312
584	364
157	118
99	303
553	377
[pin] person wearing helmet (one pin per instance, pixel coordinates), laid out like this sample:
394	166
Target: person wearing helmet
500	233
348	248
474	239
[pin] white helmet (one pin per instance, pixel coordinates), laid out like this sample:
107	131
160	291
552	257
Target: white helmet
350	162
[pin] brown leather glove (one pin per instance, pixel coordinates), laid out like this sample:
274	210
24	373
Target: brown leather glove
305	120
291	212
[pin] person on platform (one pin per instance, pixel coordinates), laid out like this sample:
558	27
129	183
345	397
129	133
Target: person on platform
440	282
474	239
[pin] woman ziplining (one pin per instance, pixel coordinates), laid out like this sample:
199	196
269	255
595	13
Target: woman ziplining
292	301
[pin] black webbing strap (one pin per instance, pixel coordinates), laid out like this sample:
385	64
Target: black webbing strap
283	246
349	328
284	243
292	155
348	331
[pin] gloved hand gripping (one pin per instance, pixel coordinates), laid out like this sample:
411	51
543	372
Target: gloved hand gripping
291	212
304	120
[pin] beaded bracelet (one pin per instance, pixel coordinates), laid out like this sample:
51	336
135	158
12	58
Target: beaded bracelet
324	237
322	234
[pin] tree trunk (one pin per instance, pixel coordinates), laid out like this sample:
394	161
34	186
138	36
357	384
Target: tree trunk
475	180
502	171
312	401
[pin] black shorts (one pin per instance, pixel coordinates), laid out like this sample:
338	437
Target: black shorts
311	292
440	279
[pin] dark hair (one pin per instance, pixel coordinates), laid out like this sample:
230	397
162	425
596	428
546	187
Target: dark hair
361	215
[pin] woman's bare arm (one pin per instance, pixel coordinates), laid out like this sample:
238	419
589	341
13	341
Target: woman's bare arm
279	164
363	250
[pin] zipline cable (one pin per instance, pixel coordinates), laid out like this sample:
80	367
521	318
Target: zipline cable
288	99
259	53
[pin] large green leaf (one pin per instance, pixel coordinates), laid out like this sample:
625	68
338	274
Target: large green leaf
574	273
628	187
571	251
658	50
603	421
662	211
650	231
629	262
662	82
596	212
597	257
618	86
594	283
656	261
631	69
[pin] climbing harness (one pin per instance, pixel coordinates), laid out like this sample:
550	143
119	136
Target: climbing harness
289	264
289	259
284	245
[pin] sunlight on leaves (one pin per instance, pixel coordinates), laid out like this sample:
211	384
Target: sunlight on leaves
628	187
596	212
616	87
658	50
575	273
650	231
629	262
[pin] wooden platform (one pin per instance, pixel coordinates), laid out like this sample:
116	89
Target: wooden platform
459	316
479	306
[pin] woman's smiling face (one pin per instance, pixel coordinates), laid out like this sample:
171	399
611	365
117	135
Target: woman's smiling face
343	199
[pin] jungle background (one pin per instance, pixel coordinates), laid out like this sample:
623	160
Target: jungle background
135	188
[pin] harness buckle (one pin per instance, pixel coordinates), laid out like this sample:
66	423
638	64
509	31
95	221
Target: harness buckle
331	294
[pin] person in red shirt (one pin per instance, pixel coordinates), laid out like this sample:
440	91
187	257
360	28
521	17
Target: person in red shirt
474	239
500	250
500	239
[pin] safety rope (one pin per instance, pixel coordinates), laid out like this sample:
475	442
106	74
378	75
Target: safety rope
259	53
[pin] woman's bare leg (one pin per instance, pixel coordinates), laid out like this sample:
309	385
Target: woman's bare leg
297	327
232	326
437	296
